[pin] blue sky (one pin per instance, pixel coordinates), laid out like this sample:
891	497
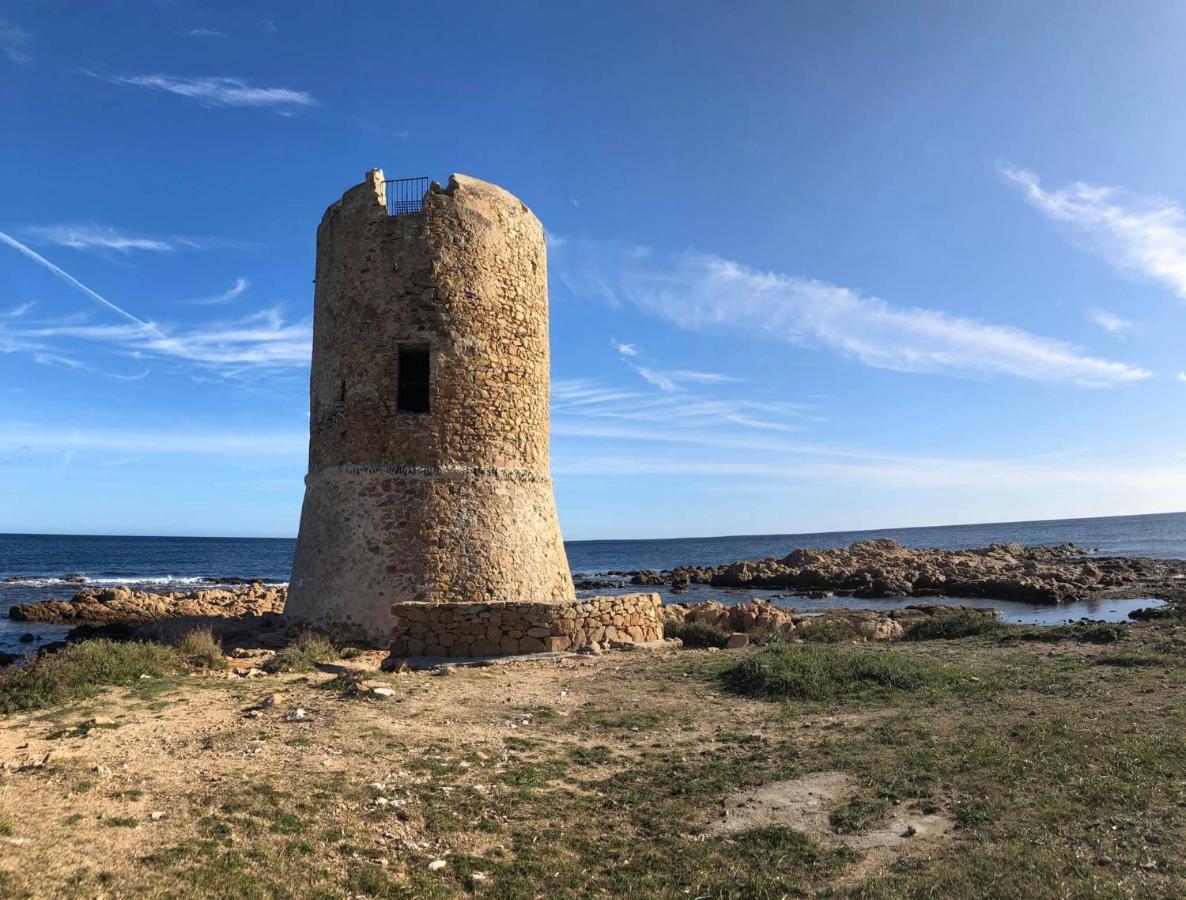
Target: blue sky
814	265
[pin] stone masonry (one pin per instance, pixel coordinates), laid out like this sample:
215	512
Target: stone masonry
449	507
505	629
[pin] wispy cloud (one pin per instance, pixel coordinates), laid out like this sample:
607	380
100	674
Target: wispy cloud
205	33
1143	235
217	91
581	400
235	290
627	350
707	293
68	278
263	340
14	43
101	237
1108	321
666	379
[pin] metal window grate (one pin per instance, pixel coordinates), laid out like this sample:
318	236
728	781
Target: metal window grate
405	195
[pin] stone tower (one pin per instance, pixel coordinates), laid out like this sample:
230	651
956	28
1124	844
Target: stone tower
428	474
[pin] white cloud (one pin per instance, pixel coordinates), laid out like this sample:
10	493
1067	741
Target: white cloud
235	290
1110	322
666	379
217	90
707	293
1144	235
630	350
1181	376
260	340
263	340
581	400
674	379
205	33
14	43
101	237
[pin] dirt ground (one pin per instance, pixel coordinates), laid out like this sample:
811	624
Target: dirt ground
629	772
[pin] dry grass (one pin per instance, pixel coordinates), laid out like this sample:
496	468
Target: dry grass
601	776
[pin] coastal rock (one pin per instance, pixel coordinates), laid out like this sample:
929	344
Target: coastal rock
764	618
124	606
884	568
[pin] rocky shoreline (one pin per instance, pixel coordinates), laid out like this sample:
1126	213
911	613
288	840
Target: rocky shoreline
125	606
883	568
868	569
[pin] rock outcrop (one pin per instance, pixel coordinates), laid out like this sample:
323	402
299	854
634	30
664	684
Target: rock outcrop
123	605
884	568
763	617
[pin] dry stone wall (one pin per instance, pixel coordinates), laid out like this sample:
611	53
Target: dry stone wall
509	628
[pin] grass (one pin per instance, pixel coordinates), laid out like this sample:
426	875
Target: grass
201	650
696	635
1061	765
302	655
829	630
950	626
82	670
821	672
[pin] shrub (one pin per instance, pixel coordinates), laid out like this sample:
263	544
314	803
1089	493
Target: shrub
828	672
829	630
696	634
1085	632
948	626
81	670
200	649
302	655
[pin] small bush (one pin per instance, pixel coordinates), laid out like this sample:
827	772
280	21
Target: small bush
81	670
827	672
696	634
829	630
1085	632
302	655
948	626
200	649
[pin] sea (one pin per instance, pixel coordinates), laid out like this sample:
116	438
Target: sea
40	566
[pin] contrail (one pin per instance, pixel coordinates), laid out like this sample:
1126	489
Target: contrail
70	279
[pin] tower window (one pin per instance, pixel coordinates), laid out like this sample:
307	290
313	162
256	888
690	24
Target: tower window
412	393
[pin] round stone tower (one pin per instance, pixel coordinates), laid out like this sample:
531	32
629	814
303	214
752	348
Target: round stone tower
428	474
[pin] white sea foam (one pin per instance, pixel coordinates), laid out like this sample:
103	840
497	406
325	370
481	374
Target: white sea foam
124	580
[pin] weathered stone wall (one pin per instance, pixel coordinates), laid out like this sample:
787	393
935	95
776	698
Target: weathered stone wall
450	506
508	628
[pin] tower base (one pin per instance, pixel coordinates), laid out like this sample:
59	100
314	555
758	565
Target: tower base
510	628
373	535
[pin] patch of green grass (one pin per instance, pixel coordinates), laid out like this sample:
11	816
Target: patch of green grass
302	655
120	821
859	815
1083	632
82	670
594	755
950	626
1129	660
201	649
696	635
5	825
829	630
819	672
